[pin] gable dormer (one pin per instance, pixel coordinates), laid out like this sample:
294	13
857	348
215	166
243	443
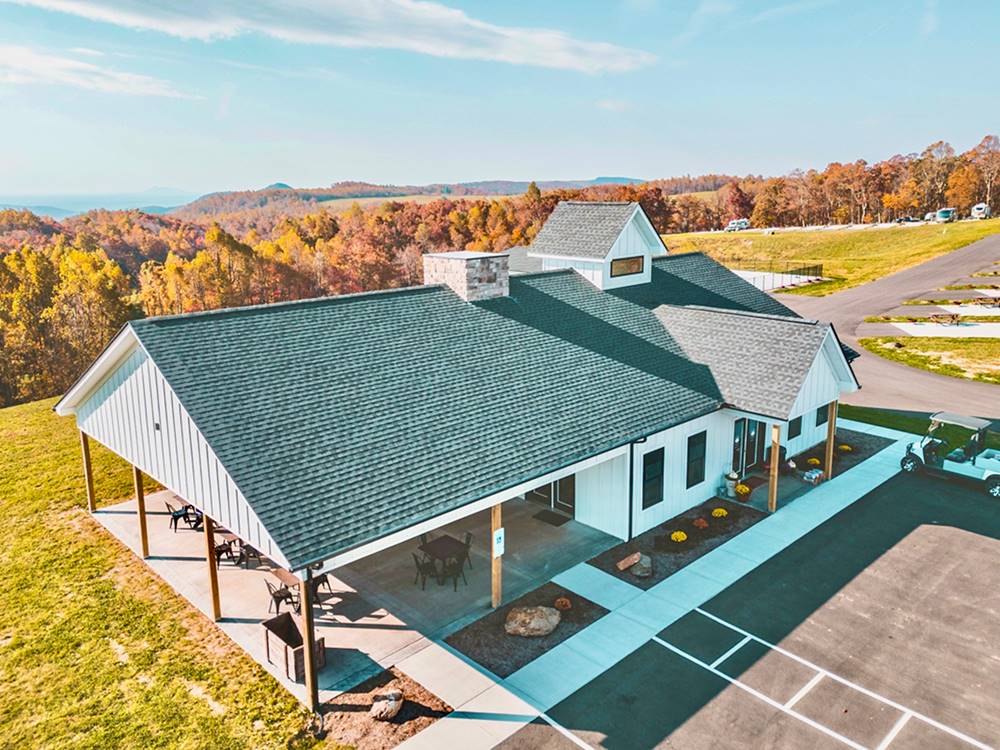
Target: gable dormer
611	244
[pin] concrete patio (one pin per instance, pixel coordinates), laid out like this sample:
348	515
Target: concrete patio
375	616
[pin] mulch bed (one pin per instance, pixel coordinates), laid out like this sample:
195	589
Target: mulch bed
668	556
346	720
486	642
863	446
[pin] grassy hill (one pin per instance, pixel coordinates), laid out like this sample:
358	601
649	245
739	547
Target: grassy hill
95	651
849	256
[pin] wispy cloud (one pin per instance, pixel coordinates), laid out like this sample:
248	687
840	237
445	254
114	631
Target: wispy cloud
929	19
313	73
420	26
23	65
613	105
790	9
86	51
705	13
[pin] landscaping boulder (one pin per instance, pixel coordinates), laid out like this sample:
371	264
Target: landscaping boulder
386	705
627	562
643	568
531	622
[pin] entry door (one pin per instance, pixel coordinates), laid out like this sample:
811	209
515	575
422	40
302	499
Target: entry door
560	495
565	495
753	445
541	495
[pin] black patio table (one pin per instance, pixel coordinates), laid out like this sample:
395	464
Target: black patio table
443	548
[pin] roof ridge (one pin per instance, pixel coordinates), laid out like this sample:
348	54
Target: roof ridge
747	313
245	309
600	203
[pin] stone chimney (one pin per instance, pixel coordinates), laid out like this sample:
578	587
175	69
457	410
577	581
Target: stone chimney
472	276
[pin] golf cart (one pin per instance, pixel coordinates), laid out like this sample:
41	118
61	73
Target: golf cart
973	459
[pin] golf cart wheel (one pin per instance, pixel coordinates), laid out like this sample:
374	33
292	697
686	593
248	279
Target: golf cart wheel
993	487
909	464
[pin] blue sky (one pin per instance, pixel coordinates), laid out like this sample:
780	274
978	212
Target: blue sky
121	95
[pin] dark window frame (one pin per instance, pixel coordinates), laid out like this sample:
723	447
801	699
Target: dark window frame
822	414
652	484
794	427
697	445
619	261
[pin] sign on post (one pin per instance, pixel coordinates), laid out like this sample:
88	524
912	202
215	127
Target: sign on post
498	542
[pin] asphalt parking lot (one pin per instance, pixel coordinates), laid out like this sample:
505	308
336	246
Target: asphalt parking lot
879	629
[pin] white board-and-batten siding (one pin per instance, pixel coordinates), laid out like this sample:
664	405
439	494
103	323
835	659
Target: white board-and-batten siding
136	414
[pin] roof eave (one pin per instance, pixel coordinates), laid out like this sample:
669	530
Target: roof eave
123	343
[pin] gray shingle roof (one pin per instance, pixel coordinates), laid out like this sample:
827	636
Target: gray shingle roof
519	262
758	361
344	419
582	229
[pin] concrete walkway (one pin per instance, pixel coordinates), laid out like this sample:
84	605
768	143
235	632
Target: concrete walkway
495	712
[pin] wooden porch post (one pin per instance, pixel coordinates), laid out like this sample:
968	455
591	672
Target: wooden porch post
309	642
495	525
831	435
88	471
213	573
140	500
772	487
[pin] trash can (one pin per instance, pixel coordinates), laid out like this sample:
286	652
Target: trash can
731	479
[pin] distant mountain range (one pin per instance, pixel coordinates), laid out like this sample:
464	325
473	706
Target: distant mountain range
160	200
156	200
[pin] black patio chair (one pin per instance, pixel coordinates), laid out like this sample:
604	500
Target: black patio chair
425	569
453	569
193	517
424	538
223	549
322	579
176	515
279	595
248	553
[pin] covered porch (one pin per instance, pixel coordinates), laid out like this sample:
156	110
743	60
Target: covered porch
374	613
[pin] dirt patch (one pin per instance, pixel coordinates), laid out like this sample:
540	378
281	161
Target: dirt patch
346	720
486	642
668	556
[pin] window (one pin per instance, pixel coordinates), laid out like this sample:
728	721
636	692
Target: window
652	478
739	427
627	266
696	459
795	428
821	415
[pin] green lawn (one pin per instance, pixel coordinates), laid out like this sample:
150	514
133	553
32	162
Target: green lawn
849	256
913	422
916	317
95	651
974	358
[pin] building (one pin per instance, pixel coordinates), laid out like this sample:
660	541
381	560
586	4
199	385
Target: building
617	385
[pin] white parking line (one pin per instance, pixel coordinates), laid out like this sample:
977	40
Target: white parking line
805	689
854	685
759	695
731	651
564	731
900	723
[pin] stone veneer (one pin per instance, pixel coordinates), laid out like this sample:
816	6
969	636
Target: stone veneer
472	276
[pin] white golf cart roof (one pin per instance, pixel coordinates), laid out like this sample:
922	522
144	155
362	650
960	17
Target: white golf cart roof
969	423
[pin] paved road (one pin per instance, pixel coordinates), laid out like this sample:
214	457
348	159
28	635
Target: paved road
889	384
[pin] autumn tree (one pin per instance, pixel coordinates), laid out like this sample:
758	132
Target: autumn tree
964	186
986	158
736	204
